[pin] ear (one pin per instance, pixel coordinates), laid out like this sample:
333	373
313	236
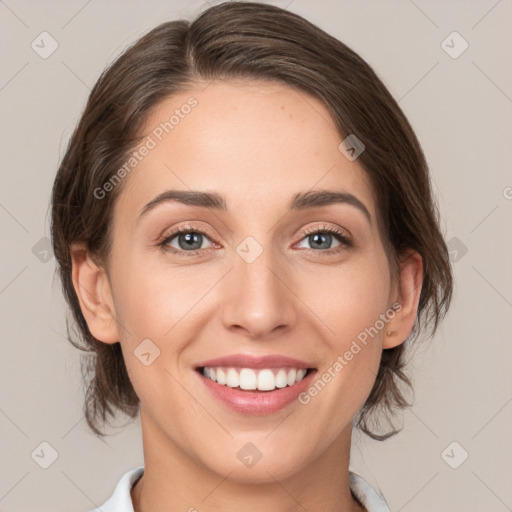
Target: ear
92	288
407	295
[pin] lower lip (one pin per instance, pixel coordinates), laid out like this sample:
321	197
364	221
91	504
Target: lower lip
257	402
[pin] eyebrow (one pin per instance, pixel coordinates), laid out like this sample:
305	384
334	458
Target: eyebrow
213	200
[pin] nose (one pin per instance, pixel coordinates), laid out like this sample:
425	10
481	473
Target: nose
257	297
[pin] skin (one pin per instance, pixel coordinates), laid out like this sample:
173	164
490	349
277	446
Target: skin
258	144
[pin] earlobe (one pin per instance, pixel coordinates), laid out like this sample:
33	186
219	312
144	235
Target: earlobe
408	296
92	288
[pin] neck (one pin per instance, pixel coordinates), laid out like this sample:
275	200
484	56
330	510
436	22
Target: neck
174	480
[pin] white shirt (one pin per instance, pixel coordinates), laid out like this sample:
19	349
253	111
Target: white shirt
121	500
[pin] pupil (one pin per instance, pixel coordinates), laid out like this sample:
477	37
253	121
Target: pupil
319	236
190	239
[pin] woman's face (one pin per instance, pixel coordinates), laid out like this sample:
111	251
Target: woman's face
254	282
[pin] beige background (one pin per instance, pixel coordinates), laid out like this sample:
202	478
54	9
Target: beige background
461	110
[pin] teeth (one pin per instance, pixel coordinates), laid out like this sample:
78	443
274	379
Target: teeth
220	374
232	379
281	379
249	379
266	380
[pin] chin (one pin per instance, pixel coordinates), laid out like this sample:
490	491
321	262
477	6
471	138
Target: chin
257	468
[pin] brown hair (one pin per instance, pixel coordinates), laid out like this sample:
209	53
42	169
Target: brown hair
246	40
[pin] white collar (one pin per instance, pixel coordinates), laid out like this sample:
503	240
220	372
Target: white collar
121	500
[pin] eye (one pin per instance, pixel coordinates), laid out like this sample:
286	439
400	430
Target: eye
321	238
189	241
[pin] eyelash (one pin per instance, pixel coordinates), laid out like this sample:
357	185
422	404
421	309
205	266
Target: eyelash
346	243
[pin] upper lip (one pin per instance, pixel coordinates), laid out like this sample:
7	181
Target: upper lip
256	362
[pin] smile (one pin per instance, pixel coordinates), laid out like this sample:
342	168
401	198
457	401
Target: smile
255	401
266	379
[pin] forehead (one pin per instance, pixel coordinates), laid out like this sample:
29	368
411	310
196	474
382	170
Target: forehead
248	140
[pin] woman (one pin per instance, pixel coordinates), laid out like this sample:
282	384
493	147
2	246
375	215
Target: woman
247	238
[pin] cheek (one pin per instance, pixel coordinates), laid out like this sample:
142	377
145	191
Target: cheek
152	297
167	306
350	304
155	307
349	298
